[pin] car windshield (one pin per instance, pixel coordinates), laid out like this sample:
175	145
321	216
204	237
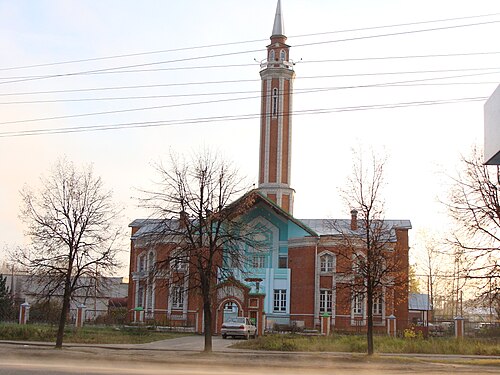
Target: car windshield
237	320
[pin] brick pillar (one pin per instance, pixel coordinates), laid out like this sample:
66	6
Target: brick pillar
325	324
391	326
80	315
459	327
24	313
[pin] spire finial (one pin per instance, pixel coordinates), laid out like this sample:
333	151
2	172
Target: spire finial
279	25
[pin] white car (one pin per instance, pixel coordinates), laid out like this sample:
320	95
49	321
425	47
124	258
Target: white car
239	326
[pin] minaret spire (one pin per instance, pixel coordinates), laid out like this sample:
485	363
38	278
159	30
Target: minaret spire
279	25
276	123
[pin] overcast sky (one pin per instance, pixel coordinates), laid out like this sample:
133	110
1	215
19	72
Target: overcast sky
352	57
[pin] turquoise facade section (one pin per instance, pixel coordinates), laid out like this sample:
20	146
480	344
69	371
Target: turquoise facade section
271	263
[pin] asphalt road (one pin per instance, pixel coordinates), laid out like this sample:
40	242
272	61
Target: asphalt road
183	356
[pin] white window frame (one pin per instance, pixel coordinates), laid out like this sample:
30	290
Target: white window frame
279	300
275	102
326	301
358	304
327	262
258	260
141	263
151	261
178	297
378	305
282	55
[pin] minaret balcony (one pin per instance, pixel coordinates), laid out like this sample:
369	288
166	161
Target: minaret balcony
268	64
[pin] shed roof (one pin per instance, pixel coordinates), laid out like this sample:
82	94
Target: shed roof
419	302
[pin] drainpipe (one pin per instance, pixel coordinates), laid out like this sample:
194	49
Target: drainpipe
316	283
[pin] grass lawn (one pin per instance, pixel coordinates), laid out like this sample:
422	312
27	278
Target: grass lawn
383	344
85	335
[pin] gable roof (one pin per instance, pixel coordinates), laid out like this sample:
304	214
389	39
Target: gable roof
259	197
314	227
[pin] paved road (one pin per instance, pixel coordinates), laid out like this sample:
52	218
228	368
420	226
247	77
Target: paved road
183	356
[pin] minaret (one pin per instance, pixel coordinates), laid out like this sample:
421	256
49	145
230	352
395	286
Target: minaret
276	123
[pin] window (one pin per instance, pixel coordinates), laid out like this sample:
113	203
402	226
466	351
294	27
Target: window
140	297
326	263
283	261
358	264
259	261
230	307
279	300
149	297
178	260
177	297
271	55
377	305
282	55
141	264
151	261
179	264
357	304
325	301
275	102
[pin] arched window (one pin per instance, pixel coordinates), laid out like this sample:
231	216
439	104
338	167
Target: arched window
327	263
271	55
151	261
282	55
275	102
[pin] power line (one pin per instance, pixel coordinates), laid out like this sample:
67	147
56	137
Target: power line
180	105
49	131
225	66
243	42
296	91
248	80
94	71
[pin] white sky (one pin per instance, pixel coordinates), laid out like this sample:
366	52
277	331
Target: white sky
422	141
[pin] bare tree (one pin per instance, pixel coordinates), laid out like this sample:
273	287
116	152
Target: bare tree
474	205
198	206
368	245
72	223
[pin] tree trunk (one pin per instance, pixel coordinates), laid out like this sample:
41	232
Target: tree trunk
369	323
207	318
64	314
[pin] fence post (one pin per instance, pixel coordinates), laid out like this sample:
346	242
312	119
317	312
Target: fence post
325	324
391	326
459	327
24	313
80	315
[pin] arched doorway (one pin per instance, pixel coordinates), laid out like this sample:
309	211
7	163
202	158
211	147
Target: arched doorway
230	311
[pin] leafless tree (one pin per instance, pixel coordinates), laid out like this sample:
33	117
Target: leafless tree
368	245
72	223
474	205
198	206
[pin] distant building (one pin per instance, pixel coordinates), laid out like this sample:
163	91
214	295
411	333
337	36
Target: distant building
299	272
94	297
420	309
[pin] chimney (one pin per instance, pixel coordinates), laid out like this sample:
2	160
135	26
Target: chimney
183	219
354	219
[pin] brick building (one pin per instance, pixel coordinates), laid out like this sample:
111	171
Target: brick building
302	273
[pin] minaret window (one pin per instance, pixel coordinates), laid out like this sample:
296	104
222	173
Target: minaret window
271	55
275	102
282	55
